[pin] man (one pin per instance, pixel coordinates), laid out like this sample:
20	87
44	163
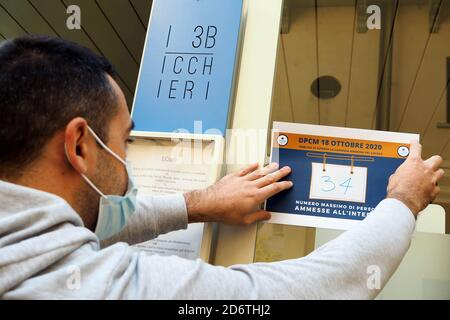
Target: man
64	129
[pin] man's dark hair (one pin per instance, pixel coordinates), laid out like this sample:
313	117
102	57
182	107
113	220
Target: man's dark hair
44	83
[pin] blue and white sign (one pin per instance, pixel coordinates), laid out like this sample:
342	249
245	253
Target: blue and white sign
339	174
186	77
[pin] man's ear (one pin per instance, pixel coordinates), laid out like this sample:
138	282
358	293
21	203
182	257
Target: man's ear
78	143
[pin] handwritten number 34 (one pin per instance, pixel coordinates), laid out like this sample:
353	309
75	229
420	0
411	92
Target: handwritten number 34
330	185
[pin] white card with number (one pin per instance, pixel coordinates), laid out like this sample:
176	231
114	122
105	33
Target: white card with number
338	182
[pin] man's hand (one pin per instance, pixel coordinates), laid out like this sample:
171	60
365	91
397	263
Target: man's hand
415	183
236	198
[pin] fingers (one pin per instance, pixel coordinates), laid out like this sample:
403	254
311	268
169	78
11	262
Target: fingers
273	177
434	162
436	192
248	169
274	188
257	174
415	150
391	177
260	215
438	176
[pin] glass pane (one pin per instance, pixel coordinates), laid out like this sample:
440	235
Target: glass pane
276	242
424	272
333	70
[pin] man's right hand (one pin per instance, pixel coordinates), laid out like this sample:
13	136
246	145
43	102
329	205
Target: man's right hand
415	183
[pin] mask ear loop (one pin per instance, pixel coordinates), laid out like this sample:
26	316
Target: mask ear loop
105	146
89	182
110	152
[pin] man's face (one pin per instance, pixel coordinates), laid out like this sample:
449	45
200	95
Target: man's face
111	172
110	175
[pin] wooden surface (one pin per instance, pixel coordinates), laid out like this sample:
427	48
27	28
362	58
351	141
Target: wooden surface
114	29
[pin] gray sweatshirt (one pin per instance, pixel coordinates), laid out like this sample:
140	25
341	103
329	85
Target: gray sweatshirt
47	253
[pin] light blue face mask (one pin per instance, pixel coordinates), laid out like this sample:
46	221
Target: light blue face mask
114	210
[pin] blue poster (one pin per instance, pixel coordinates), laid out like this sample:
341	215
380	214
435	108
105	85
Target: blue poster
339	174
186	77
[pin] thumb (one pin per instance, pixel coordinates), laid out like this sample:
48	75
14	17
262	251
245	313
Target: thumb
261	215
415	150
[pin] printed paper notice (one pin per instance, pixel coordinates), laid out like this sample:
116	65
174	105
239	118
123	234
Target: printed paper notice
158	171
339	174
